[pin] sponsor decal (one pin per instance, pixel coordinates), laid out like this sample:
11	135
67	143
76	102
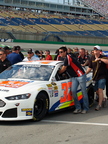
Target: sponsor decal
41	89
49	85
53	90
28	113
26	109
4	90
13	84
31	65
56	93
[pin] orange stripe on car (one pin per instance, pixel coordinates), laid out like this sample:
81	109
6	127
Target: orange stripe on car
47	62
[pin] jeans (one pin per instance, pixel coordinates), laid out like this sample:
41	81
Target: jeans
76	81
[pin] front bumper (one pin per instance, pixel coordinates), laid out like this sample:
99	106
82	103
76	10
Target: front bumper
16	110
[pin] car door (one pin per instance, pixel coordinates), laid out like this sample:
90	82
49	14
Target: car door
61	92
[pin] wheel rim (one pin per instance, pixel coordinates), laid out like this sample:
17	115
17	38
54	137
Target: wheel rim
38	107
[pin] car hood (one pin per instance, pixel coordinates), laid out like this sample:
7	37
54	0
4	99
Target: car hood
14	87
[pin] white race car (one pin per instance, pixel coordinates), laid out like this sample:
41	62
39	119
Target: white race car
28	90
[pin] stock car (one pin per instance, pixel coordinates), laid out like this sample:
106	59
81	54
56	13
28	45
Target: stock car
28	90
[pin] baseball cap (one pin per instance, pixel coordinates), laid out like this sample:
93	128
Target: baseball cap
6	48
97	47
30	51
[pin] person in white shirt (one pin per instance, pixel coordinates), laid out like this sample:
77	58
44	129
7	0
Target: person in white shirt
30	56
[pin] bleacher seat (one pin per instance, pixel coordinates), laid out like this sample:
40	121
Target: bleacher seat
73	33
96	33
29	21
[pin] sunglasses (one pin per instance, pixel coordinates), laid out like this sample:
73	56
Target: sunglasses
1	54
60	51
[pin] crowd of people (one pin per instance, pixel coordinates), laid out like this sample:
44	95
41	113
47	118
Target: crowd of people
74	61
100	6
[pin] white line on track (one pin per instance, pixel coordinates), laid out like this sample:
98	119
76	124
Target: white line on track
79	123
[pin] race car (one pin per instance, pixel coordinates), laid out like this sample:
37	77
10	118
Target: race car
28	90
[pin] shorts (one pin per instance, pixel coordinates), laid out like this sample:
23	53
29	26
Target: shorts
100	84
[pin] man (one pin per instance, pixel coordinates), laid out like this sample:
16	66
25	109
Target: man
57	54
77	73
98	64
76	51
83	58
4	62
42	57
30	56
37	54
70	52
14	57
7	50
21	54
48	56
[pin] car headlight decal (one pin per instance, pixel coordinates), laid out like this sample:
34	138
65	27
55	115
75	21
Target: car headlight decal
19	97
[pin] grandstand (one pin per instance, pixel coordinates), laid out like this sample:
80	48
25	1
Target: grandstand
40	17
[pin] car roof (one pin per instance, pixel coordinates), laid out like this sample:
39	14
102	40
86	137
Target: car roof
41	62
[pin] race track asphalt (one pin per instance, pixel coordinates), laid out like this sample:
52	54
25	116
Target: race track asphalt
51	47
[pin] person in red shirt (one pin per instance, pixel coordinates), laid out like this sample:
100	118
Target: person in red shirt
48	56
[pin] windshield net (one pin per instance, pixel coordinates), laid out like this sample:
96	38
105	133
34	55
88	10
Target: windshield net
32	72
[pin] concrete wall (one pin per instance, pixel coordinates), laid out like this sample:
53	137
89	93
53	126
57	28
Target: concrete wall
65	38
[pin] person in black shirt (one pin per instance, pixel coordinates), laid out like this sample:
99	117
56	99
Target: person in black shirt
75	70
83	58
98	65
4	62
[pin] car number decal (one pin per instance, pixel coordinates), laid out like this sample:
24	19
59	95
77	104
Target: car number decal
67	93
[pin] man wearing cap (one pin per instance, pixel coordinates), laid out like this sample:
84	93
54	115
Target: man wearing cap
7	50
98	64
20	53
30	56
14	57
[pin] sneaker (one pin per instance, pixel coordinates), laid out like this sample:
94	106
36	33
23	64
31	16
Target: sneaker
98	107
84	112
104	103
76	111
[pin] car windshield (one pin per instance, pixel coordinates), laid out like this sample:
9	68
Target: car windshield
32	72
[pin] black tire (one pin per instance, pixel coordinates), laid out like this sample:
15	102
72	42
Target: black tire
40	107
91	95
